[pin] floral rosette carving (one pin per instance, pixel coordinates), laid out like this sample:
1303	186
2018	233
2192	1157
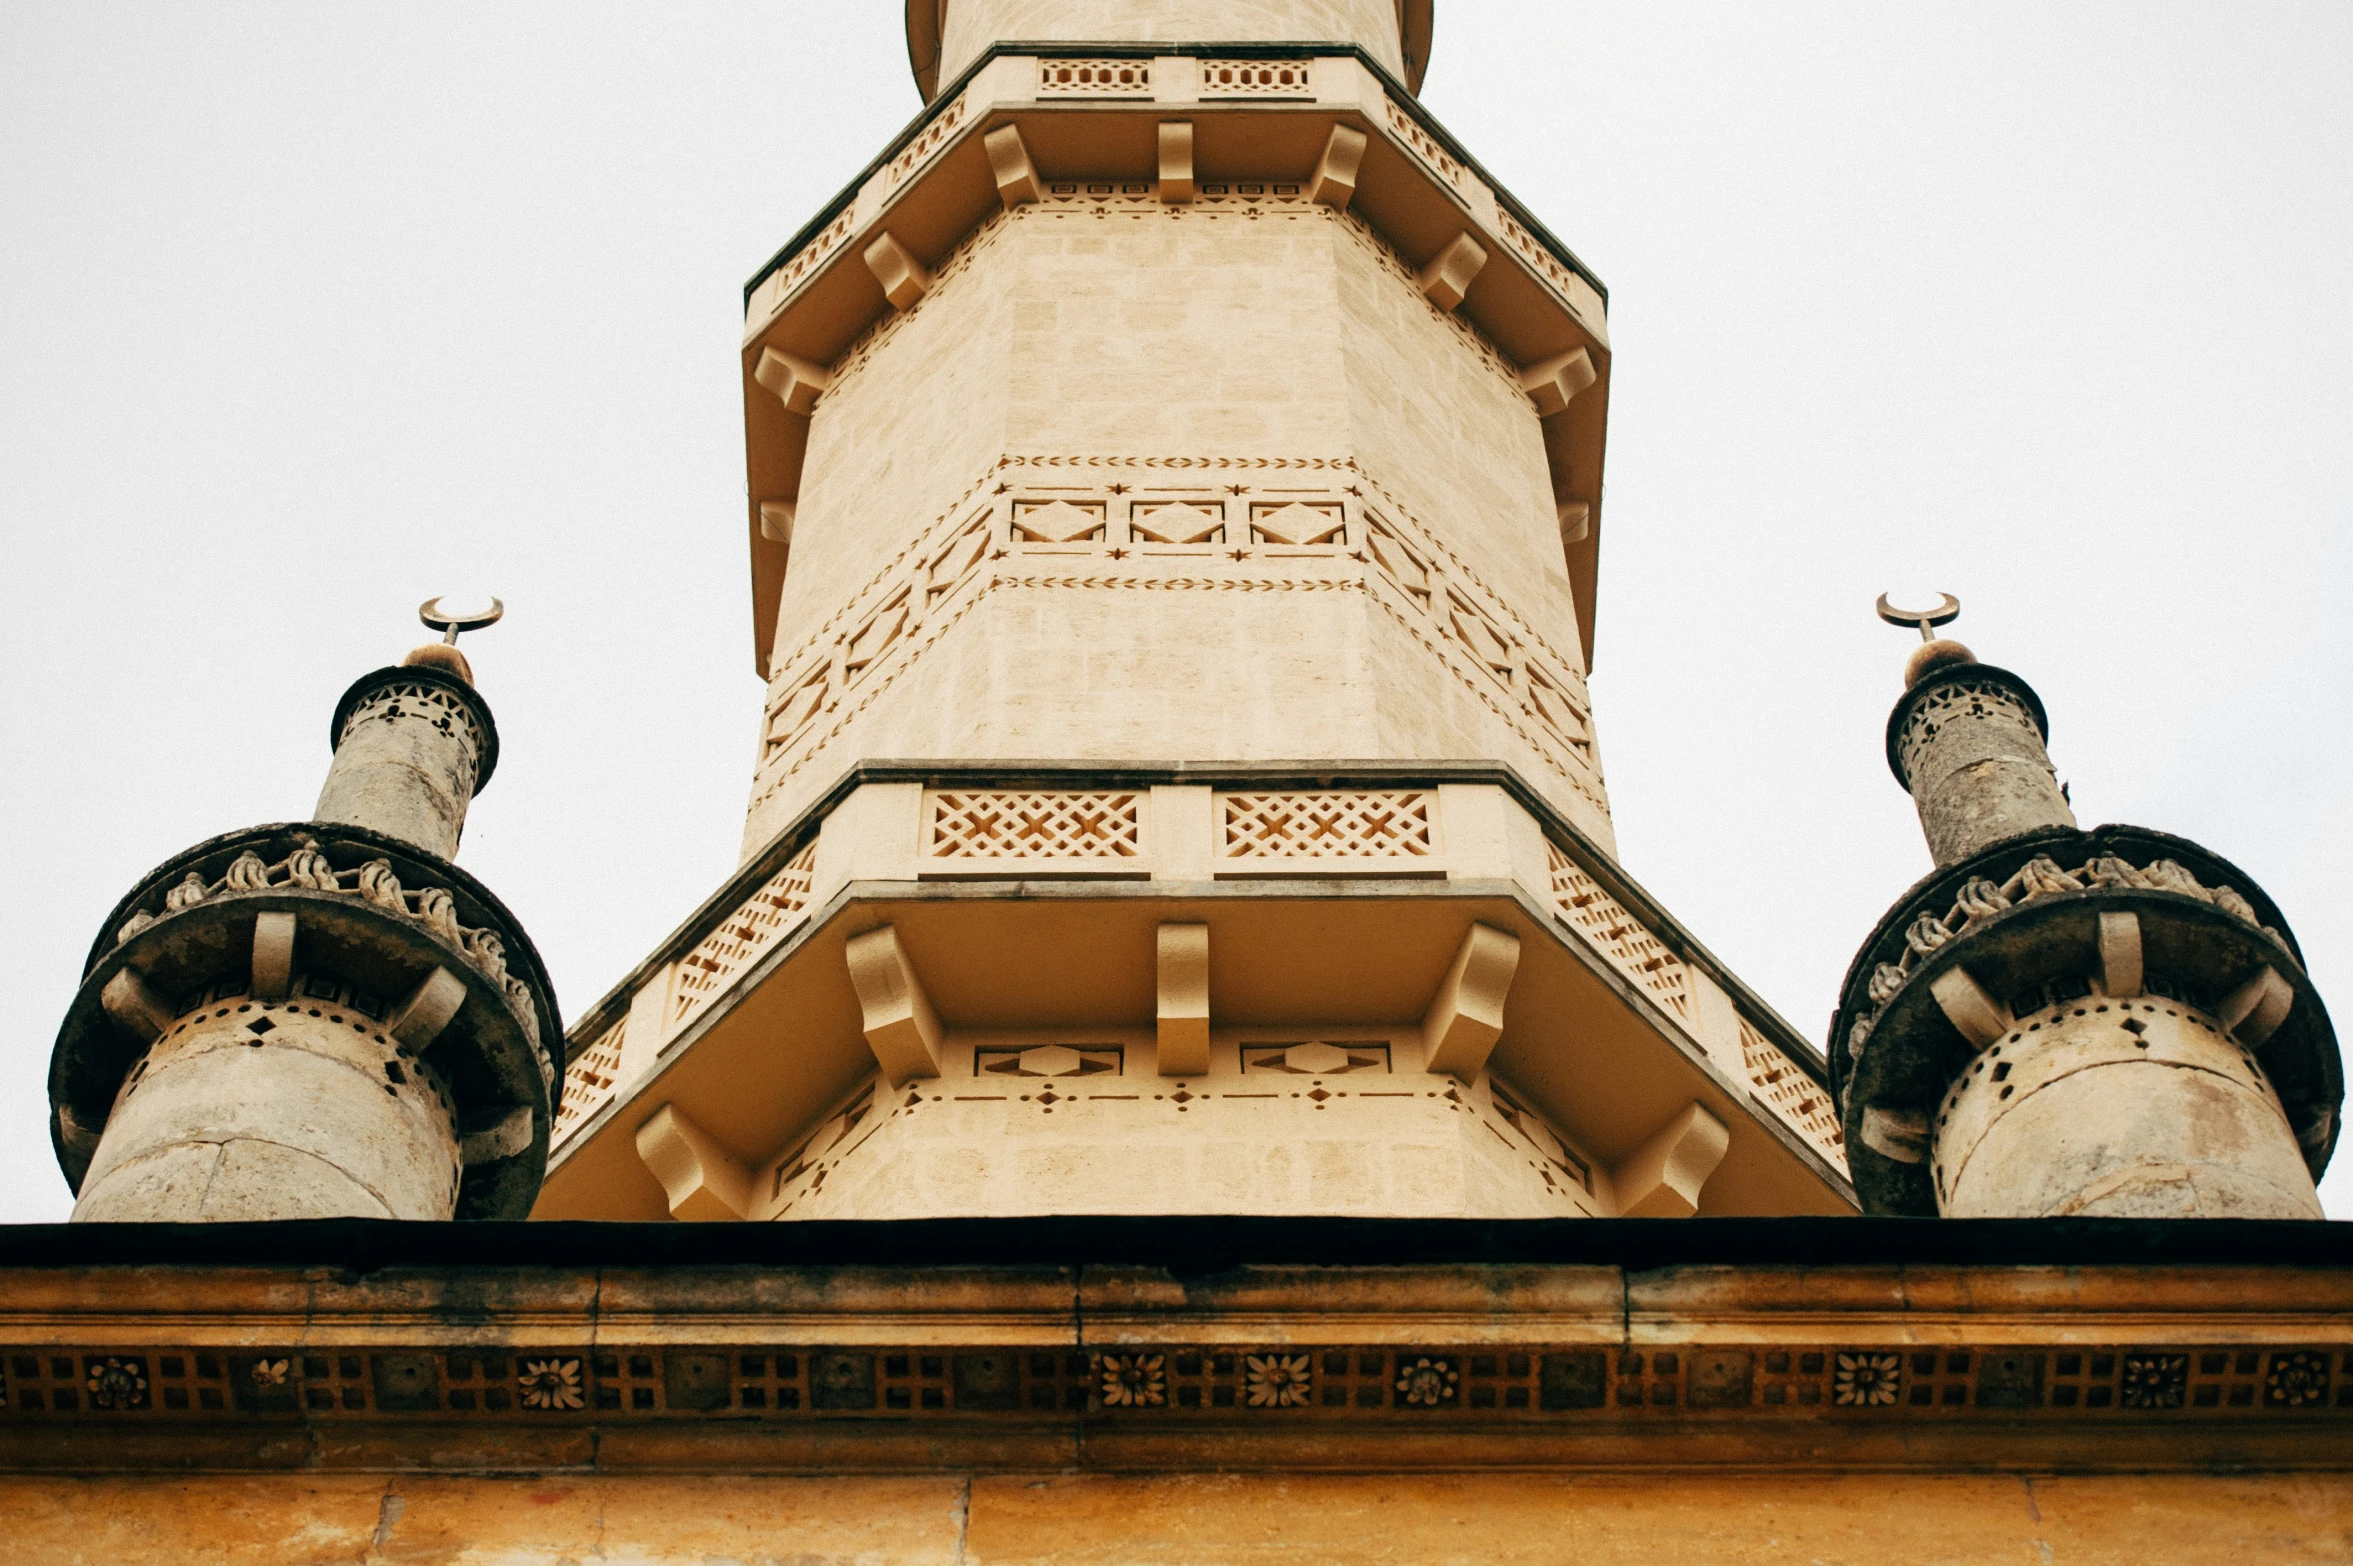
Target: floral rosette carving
1132	1380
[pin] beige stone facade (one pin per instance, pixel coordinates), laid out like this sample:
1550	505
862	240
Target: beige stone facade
1179	1072
1174	479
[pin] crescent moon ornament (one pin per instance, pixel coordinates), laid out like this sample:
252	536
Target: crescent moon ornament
440	619
1943	614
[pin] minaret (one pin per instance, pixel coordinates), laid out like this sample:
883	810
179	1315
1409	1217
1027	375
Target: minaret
327	1018
1174	481
2057	1022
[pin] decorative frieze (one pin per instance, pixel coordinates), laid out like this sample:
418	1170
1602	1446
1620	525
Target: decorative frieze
1302	525
1175	1383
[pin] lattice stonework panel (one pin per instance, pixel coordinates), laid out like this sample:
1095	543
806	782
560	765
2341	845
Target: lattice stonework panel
590	1080
1617	934
746	933
1257	79
1094	78
1384	824
998	824
1794	1096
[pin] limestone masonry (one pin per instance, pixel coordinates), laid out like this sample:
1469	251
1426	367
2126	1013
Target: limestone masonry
1179	1069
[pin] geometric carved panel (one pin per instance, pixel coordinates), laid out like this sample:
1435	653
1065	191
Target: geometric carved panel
1793	1095
743	936
1033	824
1617	934
1328	824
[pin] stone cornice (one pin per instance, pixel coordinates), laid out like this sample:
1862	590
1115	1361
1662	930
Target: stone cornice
1176	1344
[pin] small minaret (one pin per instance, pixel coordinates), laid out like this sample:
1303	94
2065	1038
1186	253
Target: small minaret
2057	1022
328	1018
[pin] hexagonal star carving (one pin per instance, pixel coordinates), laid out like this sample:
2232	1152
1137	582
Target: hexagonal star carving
1316	1059
1047	1060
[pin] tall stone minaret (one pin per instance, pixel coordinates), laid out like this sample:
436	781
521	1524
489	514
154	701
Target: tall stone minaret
2057	1022
323	1019
1174	502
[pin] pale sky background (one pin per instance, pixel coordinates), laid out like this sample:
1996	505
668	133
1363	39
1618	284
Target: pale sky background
308	312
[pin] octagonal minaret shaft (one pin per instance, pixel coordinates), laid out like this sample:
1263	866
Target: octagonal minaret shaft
325	1019
2058	1022
1255	423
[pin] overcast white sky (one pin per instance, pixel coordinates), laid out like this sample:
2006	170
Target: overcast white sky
308	312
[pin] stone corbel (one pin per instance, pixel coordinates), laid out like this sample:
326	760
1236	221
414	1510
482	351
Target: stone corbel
135	1008
795	381
1554	383
273	956
703	1181
1334	184
1898	1134
900	1026
2256	1008
1663	1177
1448	277
1016	176
425	1013
1466	1016
776	520
1978	1016
2120	955
1576	521
904	279
1176	162
1184	1000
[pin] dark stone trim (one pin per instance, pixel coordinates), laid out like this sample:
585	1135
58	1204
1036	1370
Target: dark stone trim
1192	1246
404	674
1954	674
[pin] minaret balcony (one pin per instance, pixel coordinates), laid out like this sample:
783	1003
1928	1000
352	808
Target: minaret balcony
1217	133
1173	981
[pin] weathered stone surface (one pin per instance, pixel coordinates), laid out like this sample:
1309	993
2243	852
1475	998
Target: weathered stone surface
2139	1109
1969	744
411	747
1195	1520
310	1117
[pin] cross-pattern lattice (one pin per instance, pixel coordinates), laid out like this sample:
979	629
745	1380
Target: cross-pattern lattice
1039	824
1617	934
1329	824
1794	1096
590	1080
743	936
